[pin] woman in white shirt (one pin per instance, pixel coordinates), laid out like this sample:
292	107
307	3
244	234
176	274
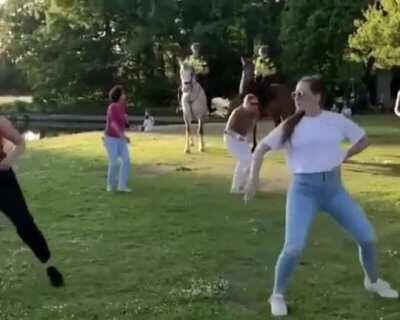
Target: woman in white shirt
312	139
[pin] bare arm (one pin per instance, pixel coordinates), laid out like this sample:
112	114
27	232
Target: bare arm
231	119
360	146
11	134
255	168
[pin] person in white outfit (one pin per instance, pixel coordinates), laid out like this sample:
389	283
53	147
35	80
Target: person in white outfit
148	122
240	123
346	111
312	140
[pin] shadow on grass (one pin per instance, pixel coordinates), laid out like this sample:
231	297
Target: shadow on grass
376	168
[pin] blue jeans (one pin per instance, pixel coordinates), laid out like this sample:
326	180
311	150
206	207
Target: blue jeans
117	149
307	194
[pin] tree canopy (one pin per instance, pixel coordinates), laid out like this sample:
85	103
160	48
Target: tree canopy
75	50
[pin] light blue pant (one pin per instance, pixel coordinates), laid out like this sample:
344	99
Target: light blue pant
307	194
117	149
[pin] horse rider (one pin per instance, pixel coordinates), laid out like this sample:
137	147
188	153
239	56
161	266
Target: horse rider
201	70
265	71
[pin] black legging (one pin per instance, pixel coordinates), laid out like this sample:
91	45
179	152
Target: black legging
13	204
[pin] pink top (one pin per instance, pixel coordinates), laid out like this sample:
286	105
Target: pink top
117	114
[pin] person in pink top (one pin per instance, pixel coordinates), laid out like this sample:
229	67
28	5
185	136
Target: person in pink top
116	141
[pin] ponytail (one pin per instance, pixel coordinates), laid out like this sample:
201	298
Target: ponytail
290	124
316	87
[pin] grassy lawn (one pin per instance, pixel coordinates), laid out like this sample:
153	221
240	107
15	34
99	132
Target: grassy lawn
180	246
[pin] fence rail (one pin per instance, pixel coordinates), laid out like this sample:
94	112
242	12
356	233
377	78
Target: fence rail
83	122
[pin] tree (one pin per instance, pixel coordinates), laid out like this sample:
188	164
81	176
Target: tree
74	50
377	36
314	38
376	44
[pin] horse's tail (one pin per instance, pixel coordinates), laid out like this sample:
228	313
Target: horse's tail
234	103
222	106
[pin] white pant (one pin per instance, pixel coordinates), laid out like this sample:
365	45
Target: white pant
242	152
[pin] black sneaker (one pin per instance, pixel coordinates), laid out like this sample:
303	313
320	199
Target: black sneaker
55	277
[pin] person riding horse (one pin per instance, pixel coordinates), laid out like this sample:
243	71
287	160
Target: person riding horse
265	72
201	70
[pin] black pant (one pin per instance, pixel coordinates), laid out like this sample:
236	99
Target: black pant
13	204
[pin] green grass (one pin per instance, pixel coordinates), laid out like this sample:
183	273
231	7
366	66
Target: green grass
180	246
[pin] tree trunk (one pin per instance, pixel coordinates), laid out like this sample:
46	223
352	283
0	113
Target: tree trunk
384	80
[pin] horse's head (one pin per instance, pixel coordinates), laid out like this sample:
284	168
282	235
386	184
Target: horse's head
248	69
188	77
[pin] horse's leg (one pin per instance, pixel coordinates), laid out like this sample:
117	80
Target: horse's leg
254	138
187	131
191	141
200	132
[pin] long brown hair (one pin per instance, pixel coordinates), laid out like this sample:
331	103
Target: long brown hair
316	87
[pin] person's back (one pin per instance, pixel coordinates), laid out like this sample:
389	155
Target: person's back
241	121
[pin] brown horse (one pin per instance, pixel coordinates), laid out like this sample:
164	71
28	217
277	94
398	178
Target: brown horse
276	99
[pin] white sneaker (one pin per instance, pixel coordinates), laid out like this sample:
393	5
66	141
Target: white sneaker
237	190
278	305
110	189
381	288
125	190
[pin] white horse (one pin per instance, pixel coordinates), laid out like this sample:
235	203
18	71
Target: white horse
194	105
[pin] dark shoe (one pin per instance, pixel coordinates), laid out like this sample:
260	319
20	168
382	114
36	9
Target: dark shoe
55	277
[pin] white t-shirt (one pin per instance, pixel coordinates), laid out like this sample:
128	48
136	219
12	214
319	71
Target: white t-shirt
315	145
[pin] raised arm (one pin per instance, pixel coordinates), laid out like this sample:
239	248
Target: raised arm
255	167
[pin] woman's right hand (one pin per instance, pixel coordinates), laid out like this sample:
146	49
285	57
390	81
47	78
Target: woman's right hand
250	190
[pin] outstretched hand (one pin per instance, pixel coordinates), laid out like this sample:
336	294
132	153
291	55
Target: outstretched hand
250	191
